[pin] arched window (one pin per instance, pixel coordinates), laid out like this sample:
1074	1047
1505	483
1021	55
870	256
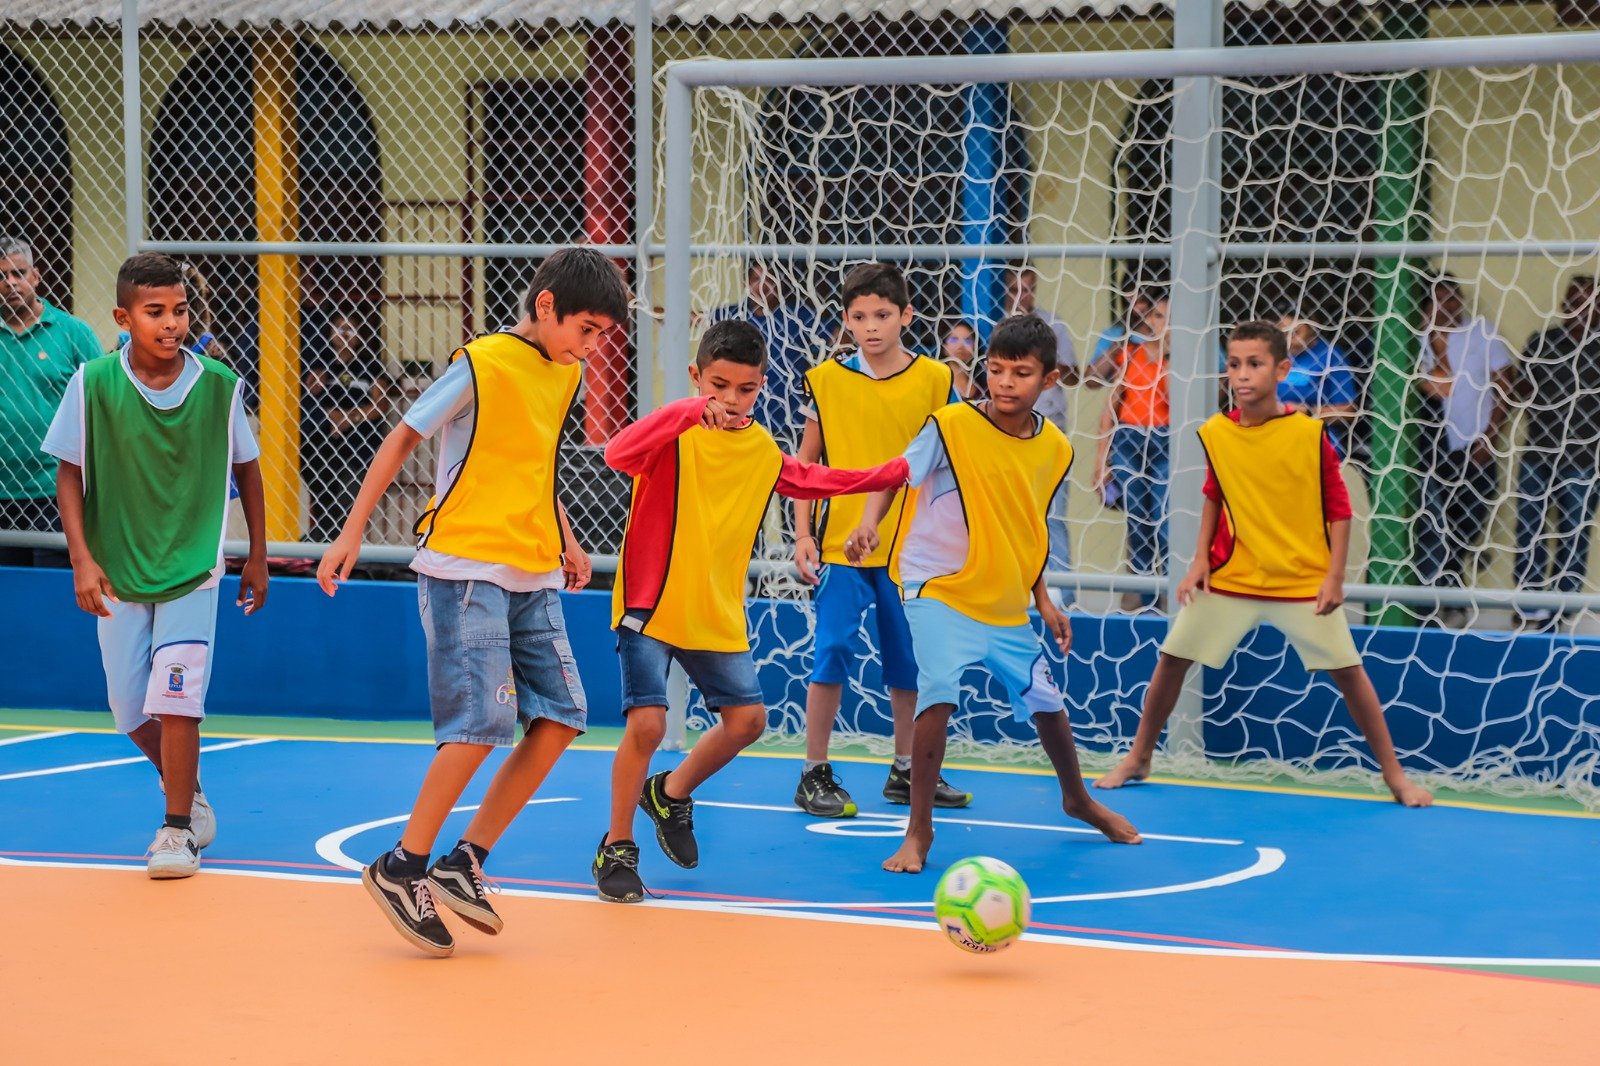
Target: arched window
201	186
36	175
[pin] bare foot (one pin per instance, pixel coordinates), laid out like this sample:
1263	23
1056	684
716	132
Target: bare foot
1408	794
912	856
1117	829
1131	768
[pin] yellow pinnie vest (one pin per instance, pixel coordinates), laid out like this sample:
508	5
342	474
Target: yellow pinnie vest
1271	480
725	479
866	421
1006	485
501	508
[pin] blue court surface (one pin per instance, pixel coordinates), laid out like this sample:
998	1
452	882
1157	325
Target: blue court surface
1222	870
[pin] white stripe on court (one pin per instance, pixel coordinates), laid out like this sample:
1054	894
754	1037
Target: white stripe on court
926	926
898	823
40	736
75	767
331	845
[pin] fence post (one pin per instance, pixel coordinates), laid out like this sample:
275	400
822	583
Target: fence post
1196	227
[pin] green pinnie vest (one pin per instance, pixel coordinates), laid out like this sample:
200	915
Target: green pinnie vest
155	481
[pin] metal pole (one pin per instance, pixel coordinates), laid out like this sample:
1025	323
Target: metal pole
673	359
644	204
1191	372
132	130
1398	193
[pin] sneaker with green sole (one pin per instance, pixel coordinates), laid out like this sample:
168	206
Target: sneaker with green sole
820	794
898	790
616	872
674	822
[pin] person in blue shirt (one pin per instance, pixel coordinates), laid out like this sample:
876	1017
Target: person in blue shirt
796	335
1320	382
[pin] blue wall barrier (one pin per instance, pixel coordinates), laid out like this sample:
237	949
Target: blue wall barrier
1454	699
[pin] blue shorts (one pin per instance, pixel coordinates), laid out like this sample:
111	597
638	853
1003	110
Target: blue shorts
157	657
724	678
841	603
496	660
948	642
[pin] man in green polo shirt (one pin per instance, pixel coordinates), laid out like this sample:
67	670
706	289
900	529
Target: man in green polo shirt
40	347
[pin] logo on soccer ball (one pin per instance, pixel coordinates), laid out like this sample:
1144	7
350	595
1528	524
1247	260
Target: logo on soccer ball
175	679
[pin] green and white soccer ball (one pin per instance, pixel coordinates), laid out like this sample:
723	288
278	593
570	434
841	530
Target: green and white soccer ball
981	904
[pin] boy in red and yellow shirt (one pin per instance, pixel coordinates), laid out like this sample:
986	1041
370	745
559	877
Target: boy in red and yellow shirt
1274	536
703	474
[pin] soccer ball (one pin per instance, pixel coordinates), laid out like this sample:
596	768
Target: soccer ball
981	904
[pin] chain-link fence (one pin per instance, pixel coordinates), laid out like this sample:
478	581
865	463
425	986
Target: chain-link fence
358	192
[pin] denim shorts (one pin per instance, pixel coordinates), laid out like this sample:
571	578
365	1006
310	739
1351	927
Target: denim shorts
724	678
496	660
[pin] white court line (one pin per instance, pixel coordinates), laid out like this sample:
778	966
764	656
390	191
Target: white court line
331	845
126	762
900	820
41	736
865	919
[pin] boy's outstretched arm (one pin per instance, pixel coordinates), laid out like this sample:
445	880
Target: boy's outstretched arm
863	541
89	582
813	481
343	553
253	579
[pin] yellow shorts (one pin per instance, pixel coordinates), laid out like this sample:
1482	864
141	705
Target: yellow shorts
1212	625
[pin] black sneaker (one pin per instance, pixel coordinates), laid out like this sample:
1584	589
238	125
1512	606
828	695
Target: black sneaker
674	822
898	790
616	872
819	793
408	904
462	889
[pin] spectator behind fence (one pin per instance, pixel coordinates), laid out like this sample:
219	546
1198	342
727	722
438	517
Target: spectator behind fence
960	353
1136	448
796	335
342	422
1560	464
1466	367
1021	299
1137	300
40	348
1320	382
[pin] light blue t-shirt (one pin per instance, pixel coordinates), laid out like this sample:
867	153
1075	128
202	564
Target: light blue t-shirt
64	440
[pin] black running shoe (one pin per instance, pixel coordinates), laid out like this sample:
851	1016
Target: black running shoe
408	904
819	793
674	822
898	790
462	889
616	872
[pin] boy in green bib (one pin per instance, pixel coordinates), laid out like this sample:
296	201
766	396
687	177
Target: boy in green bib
146	438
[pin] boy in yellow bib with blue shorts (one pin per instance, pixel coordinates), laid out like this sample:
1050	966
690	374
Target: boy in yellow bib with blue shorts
974	554
1274	537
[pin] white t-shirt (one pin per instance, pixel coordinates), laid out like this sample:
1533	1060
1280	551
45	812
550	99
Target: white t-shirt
1476	353
66	440
449	407
938	540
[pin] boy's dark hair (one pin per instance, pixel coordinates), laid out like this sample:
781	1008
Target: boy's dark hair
147	270
1020	336
733	340
580	279
876	279
1277	340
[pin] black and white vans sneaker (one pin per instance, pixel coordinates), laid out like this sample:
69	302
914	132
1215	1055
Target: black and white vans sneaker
408	904
462	889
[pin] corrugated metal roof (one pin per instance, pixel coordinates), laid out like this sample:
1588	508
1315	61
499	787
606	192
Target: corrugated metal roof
418	14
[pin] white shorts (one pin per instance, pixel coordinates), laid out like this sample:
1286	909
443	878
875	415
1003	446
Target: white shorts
157	657
1209	629
946	642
